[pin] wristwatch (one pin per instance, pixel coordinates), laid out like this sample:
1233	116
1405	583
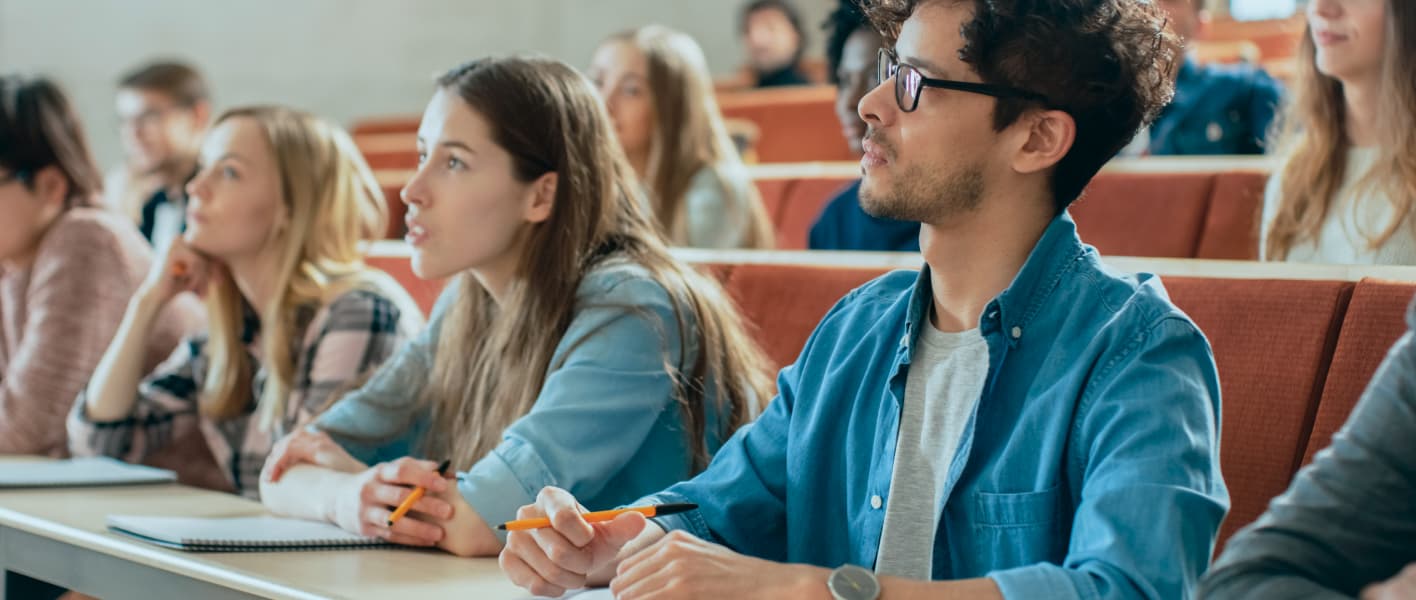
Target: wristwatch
849	582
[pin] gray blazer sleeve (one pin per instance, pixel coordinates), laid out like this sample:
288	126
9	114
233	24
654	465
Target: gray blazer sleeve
1349	519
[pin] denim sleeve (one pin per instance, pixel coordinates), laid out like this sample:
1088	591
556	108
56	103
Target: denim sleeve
596	408
380	420
1347	521
741	496
1151	498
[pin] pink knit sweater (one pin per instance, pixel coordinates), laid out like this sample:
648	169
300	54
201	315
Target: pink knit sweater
58	316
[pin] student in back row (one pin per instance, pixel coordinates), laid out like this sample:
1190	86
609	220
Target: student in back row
1014	421
1346	190
163	111
1218	109
570	349
656	85
276	212
67	269
852	49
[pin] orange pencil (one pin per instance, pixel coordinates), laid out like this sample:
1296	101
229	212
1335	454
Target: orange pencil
412	498
604	515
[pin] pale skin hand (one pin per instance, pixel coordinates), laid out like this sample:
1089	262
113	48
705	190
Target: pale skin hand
1400	587
110	393
642	563
308	475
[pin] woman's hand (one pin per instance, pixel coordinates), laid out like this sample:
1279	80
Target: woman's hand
369	498
308	447
181	269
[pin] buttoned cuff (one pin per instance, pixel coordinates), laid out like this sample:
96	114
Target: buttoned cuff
503	482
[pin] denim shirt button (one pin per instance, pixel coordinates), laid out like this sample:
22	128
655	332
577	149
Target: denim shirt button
876	502
1017	332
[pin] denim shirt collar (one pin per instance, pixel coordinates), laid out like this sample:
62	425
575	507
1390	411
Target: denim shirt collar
1015	308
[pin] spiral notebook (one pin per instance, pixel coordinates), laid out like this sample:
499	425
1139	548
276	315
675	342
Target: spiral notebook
241	534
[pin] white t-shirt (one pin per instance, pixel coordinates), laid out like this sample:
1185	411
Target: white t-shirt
945	381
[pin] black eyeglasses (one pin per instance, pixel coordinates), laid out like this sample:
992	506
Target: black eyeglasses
909	82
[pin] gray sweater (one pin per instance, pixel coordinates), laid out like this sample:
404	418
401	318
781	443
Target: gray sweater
1349	519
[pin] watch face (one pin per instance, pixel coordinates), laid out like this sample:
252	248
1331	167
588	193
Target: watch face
854	583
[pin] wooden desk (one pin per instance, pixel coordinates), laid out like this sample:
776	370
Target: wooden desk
59	536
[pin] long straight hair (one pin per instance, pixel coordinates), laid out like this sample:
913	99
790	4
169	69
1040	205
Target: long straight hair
689	135
1316	145
330	203
491	360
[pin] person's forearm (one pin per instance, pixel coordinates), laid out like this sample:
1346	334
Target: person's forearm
113	389
304	492
467	533
652	532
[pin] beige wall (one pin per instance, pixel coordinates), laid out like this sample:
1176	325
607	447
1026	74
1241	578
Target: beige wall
340	58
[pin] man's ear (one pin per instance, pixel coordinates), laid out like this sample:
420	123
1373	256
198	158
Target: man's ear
542	198
1050	136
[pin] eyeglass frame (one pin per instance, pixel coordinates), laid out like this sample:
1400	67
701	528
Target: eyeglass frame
886	59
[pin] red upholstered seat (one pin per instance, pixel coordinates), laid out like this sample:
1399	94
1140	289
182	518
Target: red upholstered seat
803	203
1272	341
1231	228
1144	214
1375	319
797	124
783	304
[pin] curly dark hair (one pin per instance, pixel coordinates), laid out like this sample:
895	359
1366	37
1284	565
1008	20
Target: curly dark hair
847	19
1107	63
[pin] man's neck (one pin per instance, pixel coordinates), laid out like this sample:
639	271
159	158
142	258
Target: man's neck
974	258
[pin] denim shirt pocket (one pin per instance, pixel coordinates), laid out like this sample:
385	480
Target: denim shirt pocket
1018	529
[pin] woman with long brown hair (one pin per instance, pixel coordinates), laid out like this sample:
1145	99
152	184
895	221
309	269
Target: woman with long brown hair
571	348
1348	182
275	220
656	86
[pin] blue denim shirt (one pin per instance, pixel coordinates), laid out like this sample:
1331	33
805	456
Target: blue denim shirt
1089	468
605	426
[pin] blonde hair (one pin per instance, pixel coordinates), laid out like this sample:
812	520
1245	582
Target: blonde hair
491	359
689	134
1316	145
330	203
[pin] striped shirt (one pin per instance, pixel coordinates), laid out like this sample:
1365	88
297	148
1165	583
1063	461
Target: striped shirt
343	341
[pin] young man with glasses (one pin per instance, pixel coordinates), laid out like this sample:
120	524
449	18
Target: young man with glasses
1015	420
163	110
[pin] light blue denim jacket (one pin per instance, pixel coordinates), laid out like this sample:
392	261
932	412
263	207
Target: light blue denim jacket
1089	468
605	426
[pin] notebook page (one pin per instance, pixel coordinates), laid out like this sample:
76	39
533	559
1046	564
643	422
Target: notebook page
254	532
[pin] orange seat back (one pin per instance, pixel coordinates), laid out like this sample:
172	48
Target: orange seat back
1272	341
